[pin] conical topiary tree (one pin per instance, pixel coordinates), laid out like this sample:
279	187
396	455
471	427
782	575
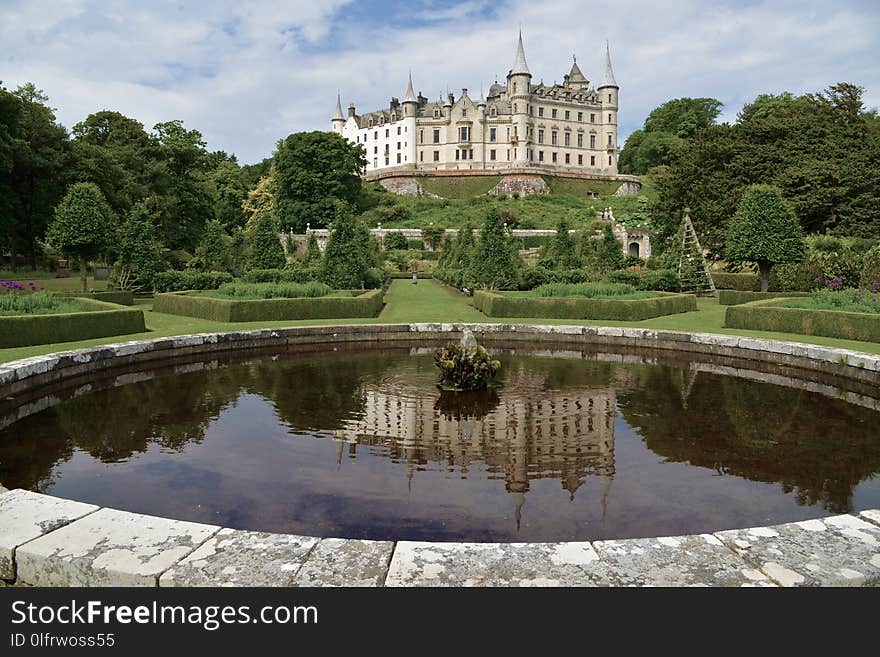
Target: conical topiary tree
560	253
265	250
764	230
347	256
496	263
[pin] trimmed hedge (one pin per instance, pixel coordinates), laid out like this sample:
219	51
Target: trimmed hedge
174	281
727	281
764	316
118	297
494	304
367	304
408	274
98	320
737	297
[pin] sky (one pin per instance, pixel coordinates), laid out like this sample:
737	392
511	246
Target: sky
247	74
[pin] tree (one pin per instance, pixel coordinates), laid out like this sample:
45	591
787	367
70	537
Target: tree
139	253
347	256
83	226
213	253
395	241
666	131
229	192
610	253
560	253
265	247
433	235
313	170
765	230
313	250
496	263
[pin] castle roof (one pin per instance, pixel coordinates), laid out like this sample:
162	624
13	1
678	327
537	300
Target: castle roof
575	74
608	76
409	96
338	116
520	66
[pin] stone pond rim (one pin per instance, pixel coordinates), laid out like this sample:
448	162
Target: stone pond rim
54	550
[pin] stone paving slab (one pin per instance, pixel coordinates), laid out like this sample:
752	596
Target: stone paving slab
109	548
25	516
871	515
698	560
346	562
241	558
836	551
497	564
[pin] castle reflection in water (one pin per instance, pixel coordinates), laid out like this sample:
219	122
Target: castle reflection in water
522	433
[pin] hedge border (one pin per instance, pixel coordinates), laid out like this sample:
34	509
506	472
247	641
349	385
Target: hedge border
737	297
118	297
101	319
400	275
765	316
367	304
743	281
494	304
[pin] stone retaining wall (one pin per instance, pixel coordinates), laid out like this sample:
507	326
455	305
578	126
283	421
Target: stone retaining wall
47	541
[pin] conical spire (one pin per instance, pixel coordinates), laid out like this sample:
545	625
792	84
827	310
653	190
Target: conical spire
520	66
608	76
409	96
338	116
575	74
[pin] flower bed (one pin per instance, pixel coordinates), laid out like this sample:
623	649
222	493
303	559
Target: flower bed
495	304
194	304
92	319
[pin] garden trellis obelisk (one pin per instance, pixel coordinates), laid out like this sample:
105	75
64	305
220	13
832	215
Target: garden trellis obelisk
693	270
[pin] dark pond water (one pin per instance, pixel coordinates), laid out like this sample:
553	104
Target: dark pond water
571	446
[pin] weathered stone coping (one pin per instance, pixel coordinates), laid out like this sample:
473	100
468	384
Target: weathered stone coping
47	541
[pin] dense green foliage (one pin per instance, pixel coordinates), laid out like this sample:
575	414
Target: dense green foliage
771	316
173	281
465	368
496	263
96	320
214	251
348	256
139	254
273	290
821	150
665	132
27	303
737	297
395	240
496	304
585	290
264	243
764	230
313	172
560	253
367	304
84	224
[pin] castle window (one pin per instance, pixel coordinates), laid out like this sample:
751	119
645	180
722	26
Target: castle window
609	140
457	153
436	156
376	134
436	113
567	158
375	150
609	160
540	111
464	111
370	122
609	119
554	156
398	129
592	141
492	154
553	113
609	98
540	156
358	139
492	134
463	133
580	159
398	145
592	160
398	158
422	156
567	115
540	136
471	154
493	111
553	137
386	132
568	139
421	136
375	162
580	116
508	137
514	87
592	118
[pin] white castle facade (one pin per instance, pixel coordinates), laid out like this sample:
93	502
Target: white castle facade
568	127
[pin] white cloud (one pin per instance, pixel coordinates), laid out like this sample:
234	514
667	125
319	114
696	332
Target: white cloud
247	74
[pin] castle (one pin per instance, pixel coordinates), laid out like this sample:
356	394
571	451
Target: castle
568	127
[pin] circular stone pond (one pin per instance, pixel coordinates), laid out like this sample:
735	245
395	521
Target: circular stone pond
355	440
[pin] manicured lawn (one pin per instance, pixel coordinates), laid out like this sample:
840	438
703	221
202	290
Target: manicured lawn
430	301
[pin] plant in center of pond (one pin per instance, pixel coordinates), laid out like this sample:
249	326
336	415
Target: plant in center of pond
465	366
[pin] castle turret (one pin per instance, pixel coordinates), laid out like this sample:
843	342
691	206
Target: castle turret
519	82
410	112
608	94
338	119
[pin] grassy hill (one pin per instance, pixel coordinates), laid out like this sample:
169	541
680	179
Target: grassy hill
465	202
